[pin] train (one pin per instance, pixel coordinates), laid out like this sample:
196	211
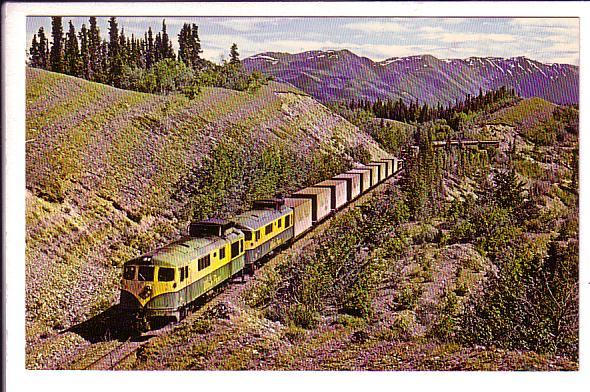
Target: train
164	283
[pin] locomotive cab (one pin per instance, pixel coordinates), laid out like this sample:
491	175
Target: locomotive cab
142	280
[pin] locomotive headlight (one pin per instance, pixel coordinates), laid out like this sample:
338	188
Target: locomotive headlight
146	292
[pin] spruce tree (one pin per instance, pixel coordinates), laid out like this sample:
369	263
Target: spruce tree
94	51
158	48
183	45
34	53
167	52
72	52
84	53
150	49
123	52
196	47
57	50
189	46
103	76
43	49
234	56
115	62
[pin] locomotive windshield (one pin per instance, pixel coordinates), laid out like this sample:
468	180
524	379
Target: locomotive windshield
145	274
129	272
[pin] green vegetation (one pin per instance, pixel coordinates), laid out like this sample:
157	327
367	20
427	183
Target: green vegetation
146	64
456	115
531	303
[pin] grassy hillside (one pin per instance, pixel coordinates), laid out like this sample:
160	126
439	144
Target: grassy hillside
111	173
526	114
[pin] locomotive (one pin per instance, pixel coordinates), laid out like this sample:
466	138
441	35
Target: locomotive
163	283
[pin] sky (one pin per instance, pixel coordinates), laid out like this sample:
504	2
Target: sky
548	40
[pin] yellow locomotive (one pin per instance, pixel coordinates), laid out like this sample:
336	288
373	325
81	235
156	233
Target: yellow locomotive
266	227
163	282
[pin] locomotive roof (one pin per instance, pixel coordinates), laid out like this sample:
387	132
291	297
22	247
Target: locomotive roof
180	252
255	219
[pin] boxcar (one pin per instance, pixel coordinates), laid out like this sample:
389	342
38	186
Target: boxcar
381	170
337	190
374	173
353	184
301	214
388	166
366	179
321	201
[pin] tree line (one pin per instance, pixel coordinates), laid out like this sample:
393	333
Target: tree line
148	63
414	112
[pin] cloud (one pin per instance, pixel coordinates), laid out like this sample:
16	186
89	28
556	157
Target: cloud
468	37
547	23
543	39
242	24
377	27
431	29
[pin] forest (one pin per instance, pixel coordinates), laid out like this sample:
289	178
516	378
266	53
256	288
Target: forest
145	64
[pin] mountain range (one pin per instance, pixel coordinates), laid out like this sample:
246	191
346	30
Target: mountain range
340	75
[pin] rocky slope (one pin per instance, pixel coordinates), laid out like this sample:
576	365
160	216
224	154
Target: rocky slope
109	174
342	75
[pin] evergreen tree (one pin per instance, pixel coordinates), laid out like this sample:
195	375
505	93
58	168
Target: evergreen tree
422	176
43	49
57	50
196	46
34	57
166	48
72	52
115	62
150	49
123	52
189	46
95	51
509	190
103	75
234	56
158	48
84	53
575	169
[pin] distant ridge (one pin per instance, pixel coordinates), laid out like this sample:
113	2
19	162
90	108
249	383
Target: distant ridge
336	75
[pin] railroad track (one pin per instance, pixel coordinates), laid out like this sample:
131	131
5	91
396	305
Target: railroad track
123	350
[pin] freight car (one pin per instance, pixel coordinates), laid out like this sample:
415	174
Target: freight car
165	282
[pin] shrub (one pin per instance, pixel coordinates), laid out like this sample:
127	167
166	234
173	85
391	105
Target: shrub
358	302
407	297
444	327
302	316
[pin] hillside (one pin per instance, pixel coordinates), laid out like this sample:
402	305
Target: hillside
484	280
342	75
112	173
